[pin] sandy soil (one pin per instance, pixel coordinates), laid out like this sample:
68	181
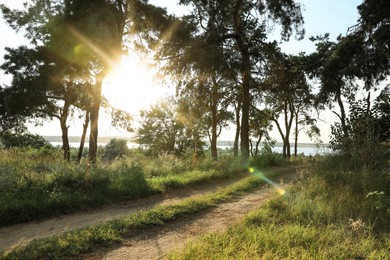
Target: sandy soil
152	243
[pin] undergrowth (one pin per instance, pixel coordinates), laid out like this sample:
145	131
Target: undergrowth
331	213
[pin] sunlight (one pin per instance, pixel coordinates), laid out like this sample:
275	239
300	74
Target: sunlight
131	86
279	189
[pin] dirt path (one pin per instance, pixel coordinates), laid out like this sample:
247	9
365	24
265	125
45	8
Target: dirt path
22	234
157	242
151	244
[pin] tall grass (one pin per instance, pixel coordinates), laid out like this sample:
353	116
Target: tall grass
331	213
36	184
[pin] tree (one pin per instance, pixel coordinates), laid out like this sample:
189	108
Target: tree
92	32
250	38
260	127
374	26
40	87
287	97
162	130
197	60
193	113
338	66
223	38
116	148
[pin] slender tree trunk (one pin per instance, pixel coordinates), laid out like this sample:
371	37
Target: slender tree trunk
251	148
245	72
286	139
289	121
283	137
214	121
94	114
83	135
342	113
257	145
296	136
195	158
238	126
245	118
64	130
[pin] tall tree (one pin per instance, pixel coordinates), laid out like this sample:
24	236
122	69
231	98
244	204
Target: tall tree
287	96
236	29
249	19
93	33
197	59
374	26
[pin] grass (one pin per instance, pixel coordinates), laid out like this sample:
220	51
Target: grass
322	217
38	184
87	239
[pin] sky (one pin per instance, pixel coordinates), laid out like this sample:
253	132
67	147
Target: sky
321	16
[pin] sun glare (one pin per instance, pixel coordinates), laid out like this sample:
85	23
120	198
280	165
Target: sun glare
131	87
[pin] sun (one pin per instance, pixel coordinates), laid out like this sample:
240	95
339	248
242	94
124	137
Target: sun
131	86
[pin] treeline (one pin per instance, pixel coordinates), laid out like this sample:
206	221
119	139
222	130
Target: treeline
225	67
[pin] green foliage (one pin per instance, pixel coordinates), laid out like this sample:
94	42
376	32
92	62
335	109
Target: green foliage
163	131
321	217
9	140
367	139
267	158
115	149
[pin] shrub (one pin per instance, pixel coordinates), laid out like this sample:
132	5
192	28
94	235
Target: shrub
365	138
116	148
24	140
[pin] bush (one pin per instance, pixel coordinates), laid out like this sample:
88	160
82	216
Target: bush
24	140
365	138
116	148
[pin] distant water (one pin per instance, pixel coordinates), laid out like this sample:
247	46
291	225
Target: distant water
304	149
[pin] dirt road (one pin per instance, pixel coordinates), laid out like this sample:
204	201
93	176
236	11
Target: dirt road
153	243
21	234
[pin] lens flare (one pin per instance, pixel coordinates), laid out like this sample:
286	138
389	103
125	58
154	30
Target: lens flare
276	186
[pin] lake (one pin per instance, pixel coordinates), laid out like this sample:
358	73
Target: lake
306	149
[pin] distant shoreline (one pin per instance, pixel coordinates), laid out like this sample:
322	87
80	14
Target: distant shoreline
106	139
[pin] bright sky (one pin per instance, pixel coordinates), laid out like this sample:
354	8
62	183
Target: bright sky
321	16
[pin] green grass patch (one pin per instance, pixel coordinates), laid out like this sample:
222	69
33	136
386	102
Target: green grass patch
35	185
87	239
321	217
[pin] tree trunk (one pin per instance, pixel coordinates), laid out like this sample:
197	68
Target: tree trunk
296	136
257	145
342	112
64	130
94	115
289	122
238	125
214	121
84	133
245	119
245	72
282	135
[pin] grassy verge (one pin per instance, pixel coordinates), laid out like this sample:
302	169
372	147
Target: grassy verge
331	214
35	185
85	240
